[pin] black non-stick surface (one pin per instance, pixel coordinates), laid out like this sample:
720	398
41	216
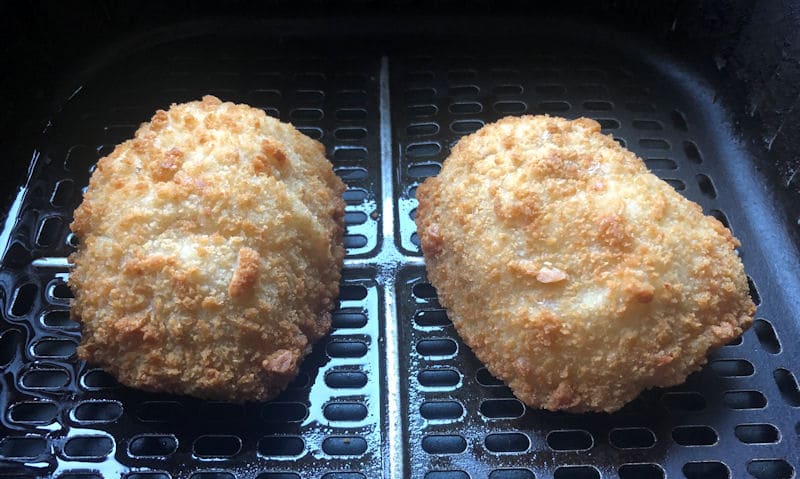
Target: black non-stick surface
393	392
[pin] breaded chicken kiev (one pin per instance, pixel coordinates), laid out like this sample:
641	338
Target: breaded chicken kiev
576	275
210	253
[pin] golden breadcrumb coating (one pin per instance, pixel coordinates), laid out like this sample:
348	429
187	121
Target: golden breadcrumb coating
210	253
576	275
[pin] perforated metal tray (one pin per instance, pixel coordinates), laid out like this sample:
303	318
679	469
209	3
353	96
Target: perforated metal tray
392	392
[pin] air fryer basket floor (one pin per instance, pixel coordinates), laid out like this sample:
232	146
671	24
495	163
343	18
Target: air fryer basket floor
392	392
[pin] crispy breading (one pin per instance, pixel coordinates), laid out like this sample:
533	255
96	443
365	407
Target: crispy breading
576	275
210	253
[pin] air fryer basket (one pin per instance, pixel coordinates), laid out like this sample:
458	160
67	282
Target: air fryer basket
393	392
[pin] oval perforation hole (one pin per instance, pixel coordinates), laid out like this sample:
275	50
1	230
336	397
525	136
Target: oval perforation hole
691	152
352	218
346	349
705	470
351	114
421	150
678	120
683	401
420	95
45	379
787	385
311	132
511	474
440	410
278	446
345	411
96	411
465	126
510	107
632	438
24	297
344	445
422	111
598	105
721	217
348	320
607	123
576	472
444	444
435	317
350	133
754	295
570	440
343	475
147	475
640	471
160	411
654	144
437	347
770	469
212	475
507	90
694	436
732	367
346	379
98	379
424	170
281	475
306	114
422	129
351	97
640	107
60	291
49	231
350	153
438	377
217	445
415	239
88	447
22	447
757	433
354	196
649	125
355	241
352	292
706	185
465	108
54	348
152	445
33	412
766	336
744	399
502	408
549	106
59	319
485	378
284	412
679	185
661	164
9	342
446	475
464	90
424	291
507	442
